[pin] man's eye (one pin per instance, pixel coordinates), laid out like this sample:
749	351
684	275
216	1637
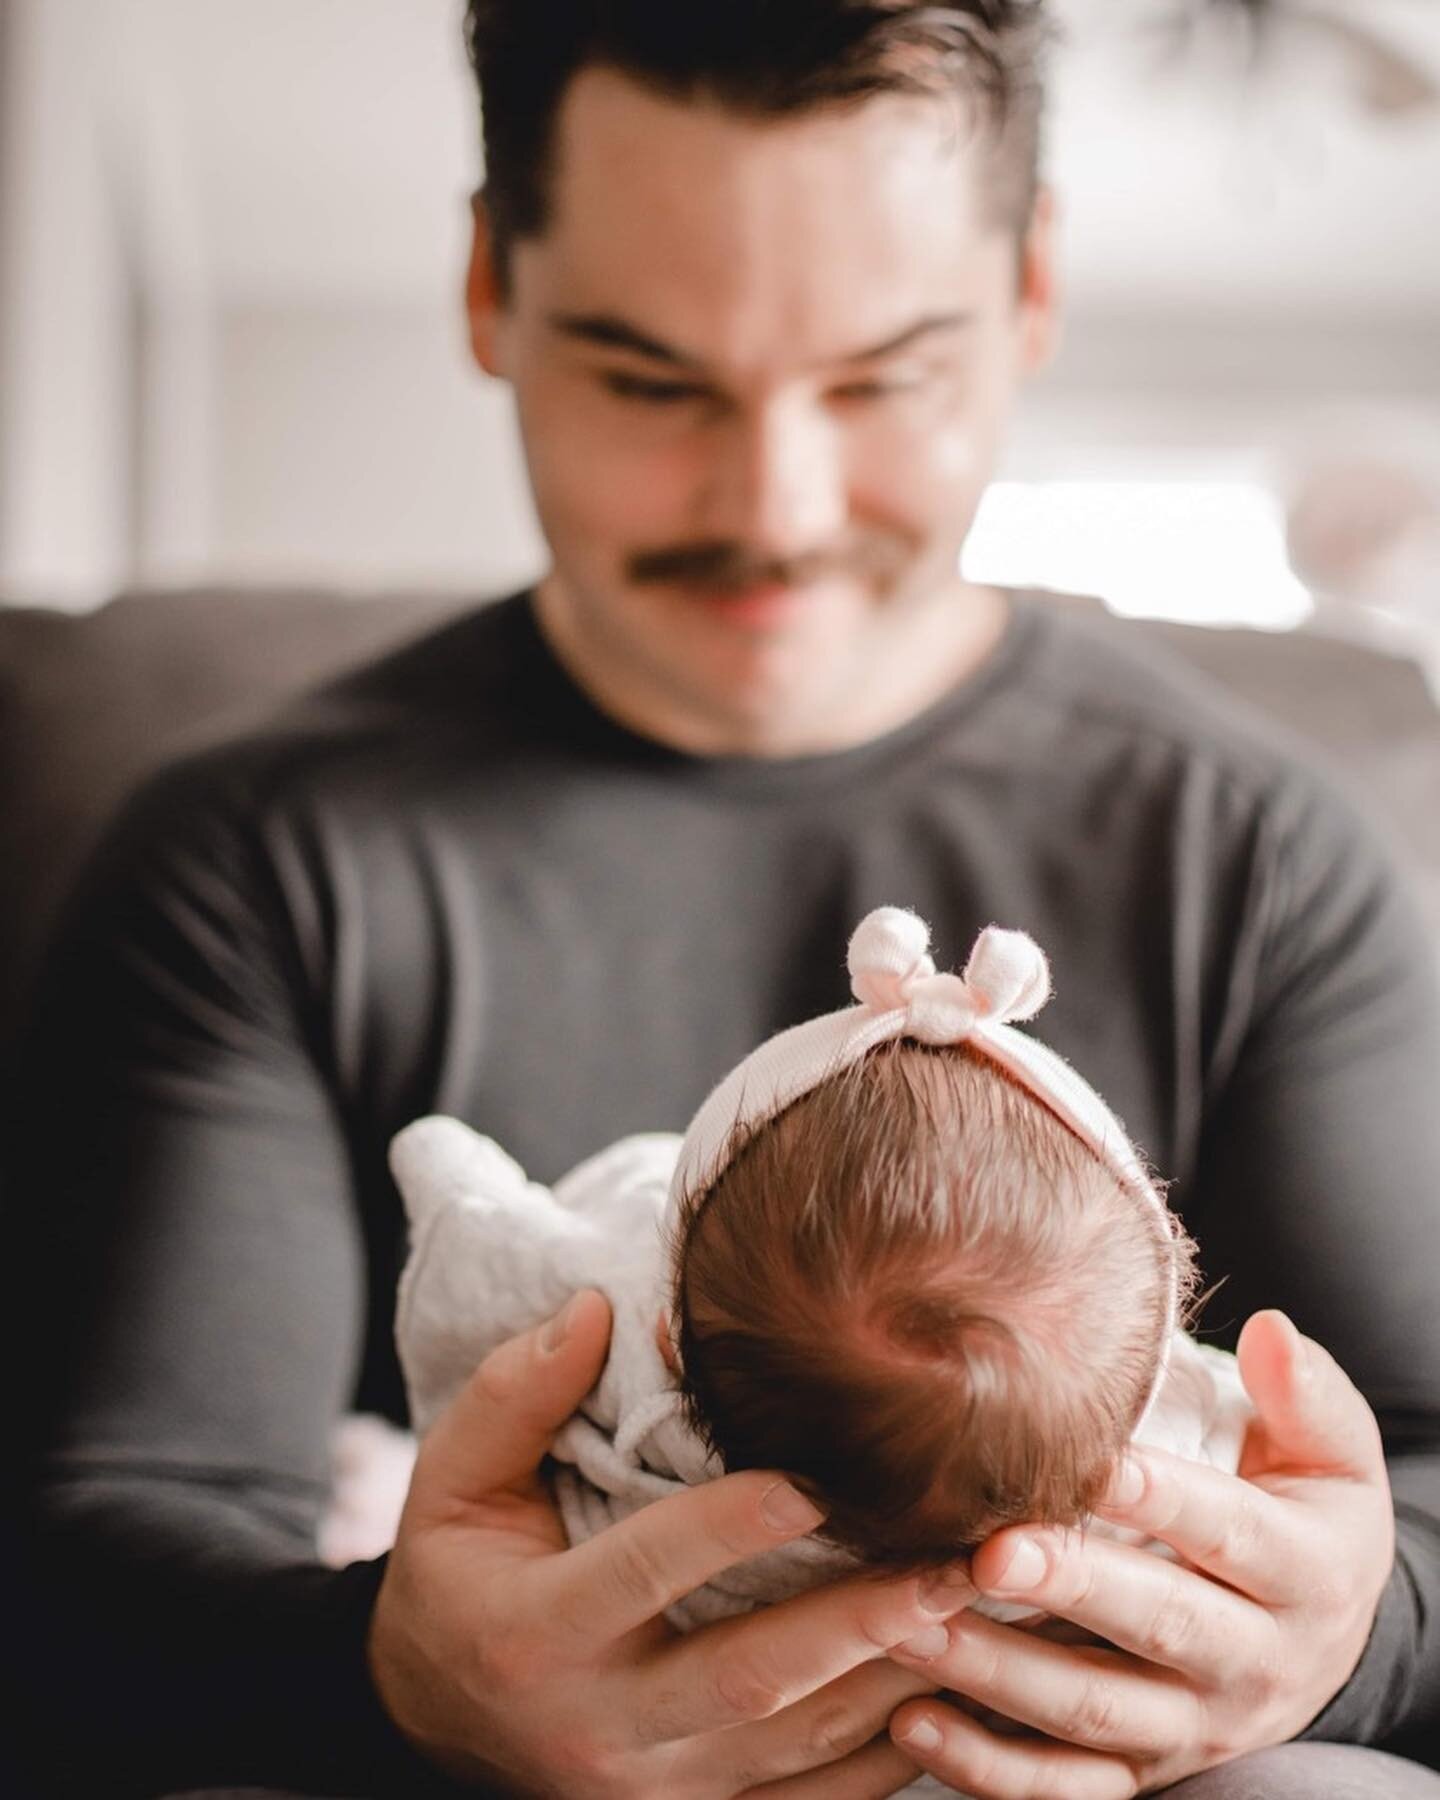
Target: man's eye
873	389
657	393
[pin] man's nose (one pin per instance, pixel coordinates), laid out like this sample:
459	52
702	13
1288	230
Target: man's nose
777	481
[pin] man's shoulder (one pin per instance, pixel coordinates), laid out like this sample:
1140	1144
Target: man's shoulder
468	680
1120	687
1114	673
359	756
472	673
1241	737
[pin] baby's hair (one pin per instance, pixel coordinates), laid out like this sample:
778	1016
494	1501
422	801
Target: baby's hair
921	1295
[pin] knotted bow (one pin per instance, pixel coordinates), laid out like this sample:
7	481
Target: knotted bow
891	970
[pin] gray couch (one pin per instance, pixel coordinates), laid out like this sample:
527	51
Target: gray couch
90	704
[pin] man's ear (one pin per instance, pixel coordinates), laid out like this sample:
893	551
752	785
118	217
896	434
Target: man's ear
484	297
1039	287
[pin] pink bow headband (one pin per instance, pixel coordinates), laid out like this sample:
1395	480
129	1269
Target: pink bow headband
900	994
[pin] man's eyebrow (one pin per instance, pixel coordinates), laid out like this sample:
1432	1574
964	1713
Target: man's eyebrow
613	333
902	340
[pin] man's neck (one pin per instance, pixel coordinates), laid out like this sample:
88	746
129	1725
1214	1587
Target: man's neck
951	639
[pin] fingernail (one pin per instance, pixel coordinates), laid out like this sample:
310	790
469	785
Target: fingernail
927	1643
1024	1569
923	1734
948	1589
558	1329
1127	1485
785	1508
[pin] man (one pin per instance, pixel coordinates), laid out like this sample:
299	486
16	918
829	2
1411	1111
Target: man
764	279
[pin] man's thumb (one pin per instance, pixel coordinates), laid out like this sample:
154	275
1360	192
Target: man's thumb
1311	1415
496	1431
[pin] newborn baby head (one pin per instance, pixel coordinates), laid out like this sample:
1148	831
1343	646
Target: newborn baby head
926	1297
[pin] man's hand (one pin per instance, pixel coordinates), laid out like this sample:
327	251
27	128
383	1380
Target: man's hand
511	1660
1235	1648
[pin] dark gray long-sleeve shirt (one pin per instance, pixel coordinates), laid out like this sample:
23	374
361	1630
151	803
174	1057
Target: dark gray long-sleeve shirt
451	884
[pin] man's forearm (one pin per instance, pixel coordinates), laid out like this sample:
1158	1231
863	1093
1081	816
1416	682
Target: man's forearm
1393	1697
178	1637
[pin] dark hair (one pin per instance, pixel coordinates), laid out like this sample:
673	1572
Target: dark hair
921	1295
766	58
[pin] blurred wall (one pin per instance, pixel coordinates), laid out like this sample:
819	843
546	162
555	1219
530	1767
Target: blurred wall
67	312
361	446
232	242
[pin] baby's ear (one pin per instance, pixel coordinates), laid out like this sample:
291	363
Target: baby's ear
665	1343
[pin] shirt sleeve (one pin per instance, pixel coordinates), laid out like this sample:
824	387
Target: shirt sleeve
191	1291
1318	1191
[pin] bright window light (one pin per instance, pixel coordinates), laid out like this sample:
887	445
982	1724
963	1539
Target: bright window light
1206	552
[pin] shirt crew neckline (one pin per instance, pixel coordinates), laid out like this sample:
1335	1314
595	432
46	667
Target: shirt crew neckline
590	727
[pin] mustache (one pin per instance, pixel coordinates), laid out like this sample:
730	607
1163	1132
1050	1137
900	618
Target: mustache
723	565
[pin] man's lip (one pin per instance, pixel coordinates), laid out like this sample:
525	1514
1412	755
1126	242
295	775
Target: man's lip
754	602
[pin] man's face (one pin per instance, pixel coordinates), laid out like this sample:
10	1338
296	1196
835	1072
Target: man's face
762	369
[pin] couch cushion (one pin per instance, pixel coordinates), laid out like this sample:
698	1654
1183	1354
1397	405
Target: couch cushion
1370	715
91	703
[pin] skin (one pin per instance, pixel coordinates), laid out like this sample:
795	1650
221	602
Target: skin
514	1662
764	264
1237	1647
755	518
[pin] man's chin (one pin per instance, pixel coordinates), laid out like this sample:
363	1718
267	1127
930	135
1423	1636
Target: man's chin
768	697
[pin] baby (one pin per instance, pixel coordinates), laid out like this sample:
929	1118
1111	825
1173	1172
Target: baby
903	1253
